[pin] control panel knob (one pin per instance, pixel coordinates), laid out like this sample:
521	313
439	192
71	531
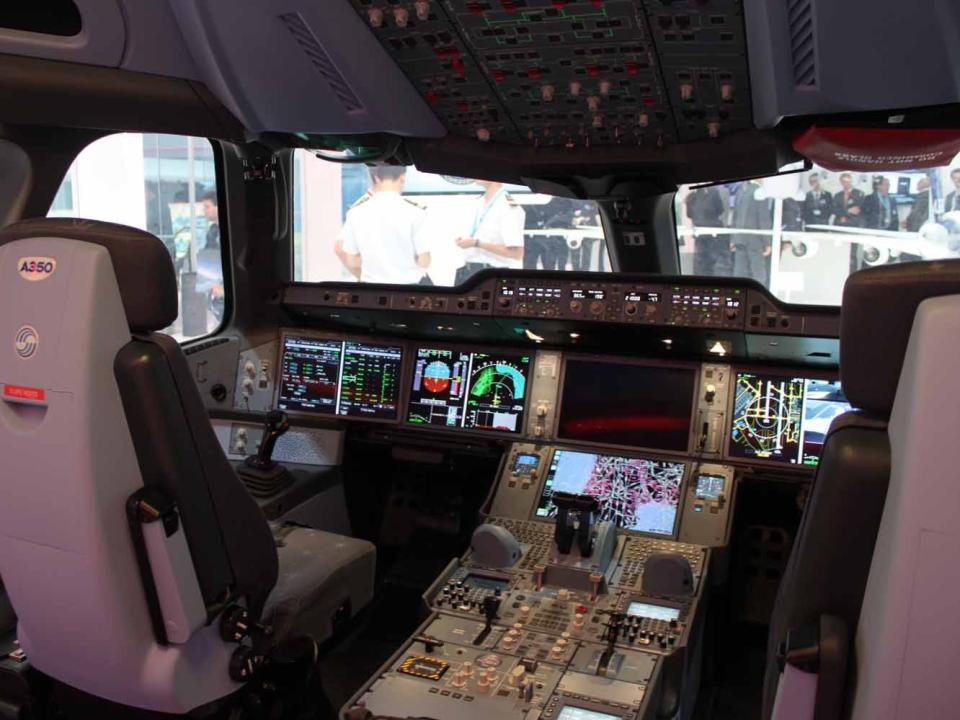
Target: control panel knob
423	9
524	611
250	369
563	594
400	16
467	668
578	622
459	680
248	387
557	652
516	676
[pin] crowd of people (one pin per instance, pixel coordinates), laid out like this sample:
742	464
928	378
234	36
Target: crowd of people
732	224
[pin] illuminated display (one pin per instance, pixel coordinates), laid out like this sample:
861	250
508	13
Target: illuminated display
634	493
571	712
333	377
648	406
476	391
539	292
654	612
645	297
710	487
783	419
309	374
592	294
525	464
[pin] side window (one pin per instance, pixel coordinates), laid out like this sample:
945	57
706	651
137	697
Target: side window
166	185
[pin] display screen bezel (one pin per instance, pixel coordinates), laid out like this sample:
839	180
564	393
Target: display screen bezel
806	374
343	339
414	348
591	450
694	367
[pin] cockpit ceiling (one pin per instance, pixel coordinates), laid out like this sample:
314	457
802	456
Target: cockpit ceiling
572	73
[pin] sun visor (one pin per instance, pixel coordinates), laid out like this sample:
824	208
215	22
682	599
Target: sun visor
887	149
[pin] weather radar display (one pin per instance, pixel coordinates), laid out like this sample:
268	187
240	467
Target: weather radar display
783	419
477	391
634	493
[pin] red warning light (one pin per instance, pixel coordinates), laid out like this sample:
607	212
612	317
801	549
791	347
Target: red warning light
499	75
463	106
596	3
559	4
593	70
458	66
510	6
535	73
432	97
649	101
632	68
475	9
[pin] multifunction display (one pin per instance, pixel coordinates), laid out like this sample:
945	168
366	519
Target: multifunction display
783	419
334	377
634	493
472	390
646	406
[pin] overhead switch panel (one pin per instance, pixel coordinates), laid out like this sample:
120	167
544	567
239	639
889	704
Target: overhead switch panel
576	74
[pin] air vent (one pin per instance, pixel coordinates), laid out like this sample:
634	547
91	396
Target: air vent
321	61
803	48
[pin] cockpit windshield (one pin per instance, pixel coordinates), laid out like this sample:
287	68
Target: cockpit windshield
801	234
401	226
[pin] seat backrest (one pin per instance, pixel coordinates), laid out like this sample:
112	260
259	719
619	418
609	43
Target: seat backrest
849	492
94	407
909	632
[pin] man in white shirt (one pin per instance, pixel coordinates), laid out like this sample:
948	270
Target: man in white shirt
496	237
381	240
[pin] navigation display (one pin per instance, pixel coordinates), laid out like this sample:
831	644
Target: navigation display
472	390
647	406
334	377
783	419
654	612
634	493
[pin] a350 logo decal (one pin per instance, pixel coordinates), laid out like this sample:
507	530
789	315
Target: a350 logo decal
36	268
26	342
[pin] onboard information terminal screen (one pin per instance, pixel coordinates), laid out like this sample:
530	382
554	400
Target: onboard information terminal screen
334	377
783	419
472	390
634	493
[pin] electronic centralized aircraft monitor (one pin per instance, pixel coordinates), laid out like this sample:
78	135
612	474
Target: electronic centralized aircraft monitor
643	406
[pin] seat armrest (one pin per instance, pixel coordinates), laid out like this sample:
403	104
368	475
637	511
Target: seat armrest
169	579
813	671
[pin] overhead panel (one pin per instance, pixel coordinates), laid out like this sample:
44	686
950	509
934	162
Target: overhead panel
564	73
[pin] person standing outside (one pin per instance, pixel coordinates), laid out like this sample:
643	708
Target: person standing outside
952	202
817	205
879	209
751	252
382	238
496	233
847	203
706	208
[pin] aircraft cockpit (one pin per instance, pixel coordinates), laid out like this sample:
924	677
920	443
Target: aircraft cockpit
455	359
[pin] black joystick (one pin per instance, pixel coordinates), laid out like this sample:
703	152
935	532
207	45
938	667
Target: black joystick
275	426
260	473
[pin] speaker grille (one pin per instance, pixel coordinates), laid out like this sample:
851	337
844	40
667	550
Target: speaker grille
803	47
321	61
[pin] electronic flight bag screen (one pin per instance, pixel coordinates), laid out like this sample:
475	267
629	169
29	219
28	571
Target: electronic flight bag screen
647	406
472	390
336	377
783	419
635	493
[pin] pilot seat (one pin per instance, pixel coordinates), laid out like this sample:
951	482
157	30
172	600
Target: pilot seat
141	571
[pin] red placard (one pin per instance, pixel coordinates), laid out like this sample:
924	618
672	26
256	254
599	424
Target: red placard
19	392
881	149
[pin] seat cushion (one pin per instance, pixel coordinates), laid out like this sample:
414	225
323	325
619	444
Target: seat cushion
323	576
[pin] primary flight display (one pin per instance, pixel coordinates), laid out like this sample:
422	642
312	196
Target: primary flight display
473	390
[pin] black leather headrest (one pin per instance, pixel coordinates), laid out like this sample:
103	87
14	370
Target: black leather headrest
142	263
875	322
